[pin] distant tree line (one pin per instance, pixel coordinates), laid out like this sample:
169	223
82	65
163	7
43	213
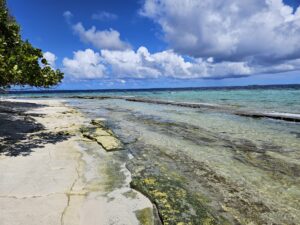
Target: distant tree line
20	63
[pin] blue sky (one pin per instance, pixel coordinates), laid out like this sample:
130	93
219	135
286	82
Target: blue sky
166	43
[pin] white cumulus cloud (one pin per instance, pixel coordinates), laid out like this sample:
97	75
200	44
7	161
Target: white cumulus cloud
143	64
101	39
51	58
207	39
257	31
84	65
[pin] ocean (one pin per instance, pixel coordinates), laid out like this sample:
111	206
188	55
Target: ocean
271	98
206	162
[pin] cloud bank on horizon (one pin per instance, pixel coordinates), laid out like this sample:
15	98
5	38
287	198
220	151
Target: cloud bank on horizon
206	39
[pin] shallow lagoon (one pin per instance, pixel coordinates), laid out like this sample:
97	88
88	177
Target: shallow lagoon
201	166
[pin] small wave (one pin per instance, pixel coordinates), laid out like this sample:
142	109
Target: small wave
290	115
273	115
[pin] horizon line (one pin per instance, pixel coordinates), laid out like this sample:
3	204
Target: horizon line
253	86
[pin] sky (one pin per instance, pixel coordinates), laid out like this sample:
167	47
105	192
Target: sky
107	44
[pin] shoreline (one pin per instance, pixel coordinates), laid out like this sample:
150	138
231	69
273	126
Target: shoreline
70	181
118	162
205	168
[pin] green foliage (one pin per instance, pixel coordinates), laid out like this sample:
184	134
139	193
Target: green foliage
21	63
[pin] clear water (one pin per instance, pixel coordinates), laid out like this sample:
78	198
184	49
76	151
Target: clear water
284	100
256	162
258	158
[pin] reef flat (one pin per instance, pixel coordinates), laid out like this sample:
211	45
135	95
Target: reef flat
114	161
199	166
220	108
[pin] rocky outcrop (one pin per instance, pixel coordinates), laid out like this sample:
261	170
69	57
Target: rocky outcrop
102	135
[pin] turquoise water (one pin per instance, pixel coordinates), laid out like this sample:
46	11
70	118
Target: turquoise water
260	100
283	100
245	170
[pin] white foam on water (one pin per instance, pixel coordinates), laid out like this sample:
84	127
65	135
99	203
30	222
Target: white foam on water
288	115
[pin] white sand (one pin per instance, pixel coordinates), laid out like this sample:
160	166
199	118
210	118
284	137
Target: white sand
68	182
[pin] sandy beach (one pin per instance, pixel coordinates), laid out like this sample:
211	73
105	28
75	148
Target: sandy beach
52	174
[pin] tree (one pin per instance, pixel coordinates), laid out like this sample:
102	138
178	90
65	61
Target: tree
21	63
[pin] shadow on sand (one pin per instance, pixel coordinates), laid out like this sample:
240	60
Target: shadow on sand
20	133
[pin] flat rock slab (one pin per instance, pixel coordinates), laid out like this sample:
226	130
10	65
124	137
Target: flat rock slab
109	143
69	182
102	135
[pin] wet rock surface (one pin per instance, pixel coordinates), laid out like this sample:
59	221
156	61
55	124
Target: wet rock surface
197	173
169	190
102	135
191	192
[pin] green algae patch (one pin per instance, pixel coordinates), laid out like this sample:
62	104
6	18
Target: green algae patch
130	194
175	204
114	177
145	216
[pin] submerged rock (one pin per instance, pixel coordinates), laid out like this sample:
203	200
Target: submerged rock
175	204
102	135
